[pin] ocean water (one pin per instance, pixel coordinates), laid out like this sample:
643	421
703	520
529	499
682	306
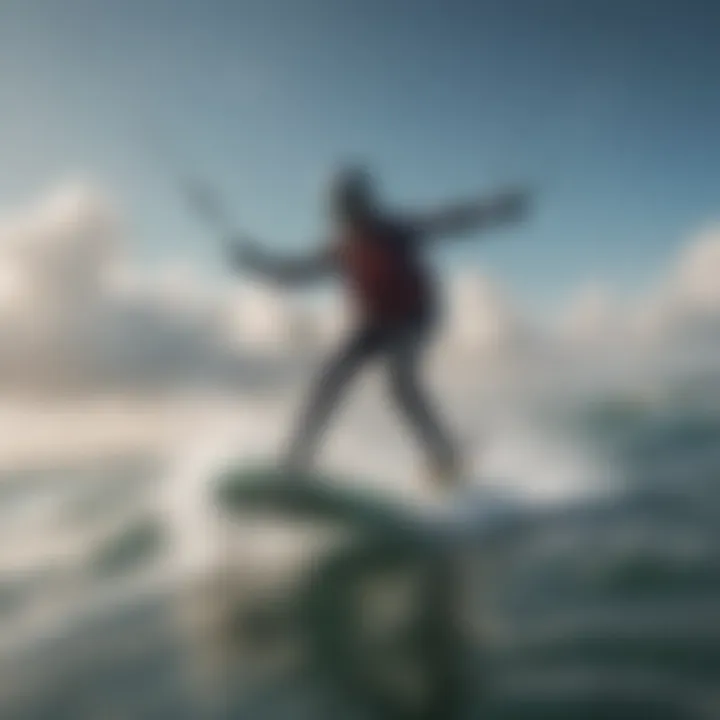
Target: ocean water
126	593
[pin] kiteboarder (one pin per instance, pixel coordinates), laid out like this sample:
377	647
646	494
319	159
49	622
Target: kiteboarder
377	255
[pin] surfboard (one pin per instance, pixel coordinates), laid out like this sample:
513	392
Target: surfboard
314	497
463	517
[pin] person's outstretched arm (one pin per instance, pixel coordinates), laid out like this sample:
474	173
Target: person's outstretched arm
284	270
502	208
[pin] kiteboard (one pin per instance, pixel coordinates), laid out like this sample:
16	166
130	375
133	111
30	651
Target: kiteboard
313	497
470	513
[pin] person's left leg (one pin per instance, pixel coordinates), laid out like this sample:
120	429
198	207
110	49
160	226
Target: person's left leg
333	381
404	357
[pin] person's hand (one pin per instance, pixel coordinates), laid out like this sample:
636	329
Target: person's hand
511	206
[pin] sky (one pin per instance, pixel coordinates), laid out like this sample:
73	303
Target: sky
608	109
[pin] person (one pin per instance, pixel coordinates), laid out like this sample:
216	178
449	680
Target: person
378	256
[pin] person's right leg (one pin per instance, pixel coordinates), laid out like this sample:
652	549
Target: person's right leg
334	379
405	354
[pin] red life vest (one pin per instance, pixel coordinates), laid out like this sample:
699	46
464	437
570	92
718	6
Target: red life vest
383	270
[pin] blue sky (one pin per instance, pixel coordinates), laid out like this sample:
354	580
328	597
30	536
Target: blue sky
610	108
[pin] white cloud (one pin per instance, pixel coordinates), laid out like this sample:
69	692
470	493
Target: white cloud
486	333
76	314
482	318
593	317
680	318
695	280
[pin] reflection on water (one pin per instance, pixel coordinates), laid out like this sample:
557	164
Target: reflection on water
605	608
